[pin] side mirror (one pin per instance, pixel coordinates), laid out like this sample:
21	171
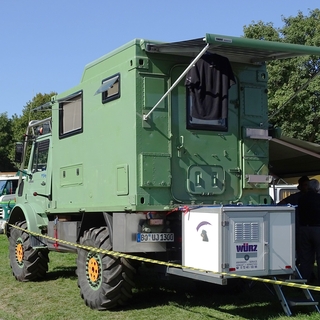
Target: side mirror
18	152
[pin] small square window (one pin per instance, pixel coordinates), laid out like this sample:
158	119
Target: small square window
110	88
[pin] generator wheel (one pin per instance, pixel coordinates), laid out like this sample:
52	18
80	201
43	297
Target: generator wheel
27	264
105	281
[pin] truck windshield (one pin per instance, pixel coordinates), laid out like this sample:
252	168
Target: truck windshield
8	186
2	186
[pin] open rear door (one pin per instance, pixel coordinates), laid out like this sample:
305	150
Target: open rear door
215	166
199	172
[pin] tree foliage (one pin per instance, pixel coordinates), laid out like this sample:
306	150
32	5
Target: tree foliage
294	85
29	113
19	124
5	142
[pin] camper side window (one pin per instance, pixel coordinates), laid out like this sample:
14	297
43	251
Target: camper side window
70	115
110	88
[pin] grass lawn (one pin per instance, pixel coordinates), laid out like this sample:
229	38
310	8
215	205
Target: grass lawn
58	297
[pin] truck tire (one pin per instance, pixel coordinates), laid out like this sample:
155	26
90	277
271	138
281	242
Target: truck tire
105	281
27	264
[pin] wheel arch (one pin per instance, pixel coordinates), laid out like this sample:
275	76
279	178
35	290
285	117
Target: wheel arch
22	212
96	219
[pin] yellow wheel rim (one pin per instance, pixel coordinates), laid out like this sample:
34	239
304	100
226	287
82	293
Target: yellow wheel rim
93	269
19	252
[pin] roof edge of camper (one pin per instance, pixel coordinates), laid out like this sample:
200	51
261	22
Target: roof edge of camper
274	50
236	49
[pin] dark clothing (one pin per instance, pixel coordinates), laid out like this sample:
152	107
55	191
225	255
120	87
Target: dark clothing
209	81
292	199
309	239
309	209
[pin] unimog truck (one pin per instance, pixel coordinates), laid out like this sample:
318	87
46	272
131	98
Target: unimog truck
161	152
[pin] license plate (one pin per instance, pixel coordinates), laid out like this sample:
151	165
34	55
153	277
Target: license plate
155	237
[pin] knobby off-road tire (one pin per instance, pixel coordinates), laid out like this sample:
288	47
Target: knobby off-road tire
105	282
27	264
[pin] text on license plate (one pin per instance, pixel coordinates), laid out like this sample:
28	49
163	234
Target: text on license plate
155	237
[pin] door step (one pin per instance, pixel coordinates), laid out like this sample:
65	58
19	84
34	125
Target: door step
298	302
288	303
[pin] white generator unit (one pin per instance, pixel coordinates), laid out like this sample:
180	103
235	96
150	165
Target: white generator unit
242	240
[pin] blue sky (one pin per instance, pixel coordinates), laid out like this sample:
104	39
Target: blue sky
46	44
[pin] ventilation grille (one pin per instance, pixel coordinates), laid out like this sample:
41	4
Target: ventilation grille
246	231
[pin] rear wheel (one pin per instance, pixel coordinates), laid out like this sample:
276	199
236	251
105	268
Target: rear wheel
105	281
27	264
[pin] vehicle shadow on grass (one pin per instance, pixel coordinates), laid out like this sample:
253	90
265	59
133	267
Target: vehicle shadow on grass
61	272
244	298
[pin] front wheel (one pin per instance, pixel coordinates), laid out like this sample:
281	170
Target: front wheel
105	281
27	264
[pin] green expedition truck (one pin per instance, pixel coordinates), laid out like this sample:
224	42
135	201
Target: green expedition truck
161	151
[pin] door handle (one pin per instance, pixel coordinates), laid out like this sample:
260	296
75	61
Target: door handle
43	183
181	140
181	146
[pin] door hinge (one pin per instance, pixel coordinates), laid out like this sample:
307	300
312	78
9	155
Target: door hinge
236	171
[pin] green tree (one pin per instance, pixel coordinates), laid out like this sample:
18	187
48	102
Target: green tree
29	112
294	88
5	143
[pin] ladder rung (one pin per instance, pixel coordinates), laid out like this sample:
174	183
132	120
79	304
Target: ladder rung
296	280
288	303
295	303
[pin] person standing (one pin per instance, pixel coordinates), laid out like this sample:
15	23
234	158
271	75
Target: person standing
293	199
309	239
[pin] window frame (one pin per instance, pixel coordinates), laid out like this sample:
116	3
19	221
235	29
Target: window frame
41	148
104	98
66	100
205	124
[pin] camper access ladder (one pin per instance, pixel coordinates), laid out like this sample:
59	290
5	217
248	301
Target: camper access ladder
286	303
